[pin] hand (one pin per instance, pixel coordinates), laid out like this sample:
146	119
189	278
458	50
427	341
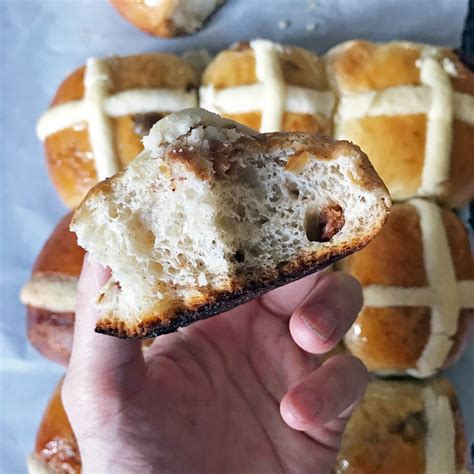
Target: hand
241	392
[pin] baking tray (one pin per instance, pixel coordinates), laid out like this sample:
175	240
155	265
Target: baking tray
41	42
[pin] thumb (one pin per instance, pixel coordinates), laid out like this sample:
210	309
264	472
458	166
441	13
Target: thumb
100	361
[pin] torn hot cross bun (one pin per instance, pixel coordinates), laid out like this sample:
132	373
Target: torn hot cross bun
213	214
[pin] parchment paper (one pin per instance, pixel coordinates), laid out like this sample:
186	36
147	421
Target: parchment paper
43	40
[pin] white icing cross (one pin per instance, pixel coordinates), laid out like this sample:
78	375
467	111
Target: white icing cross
270	95
435	97
439	125
98	106
53	292
445	295
440	439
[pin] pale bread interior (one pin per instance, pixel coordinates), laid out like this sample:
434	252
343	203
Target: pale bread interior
206	205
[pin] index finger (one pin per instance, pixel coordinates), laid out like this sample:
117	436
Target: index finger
95	356
284	301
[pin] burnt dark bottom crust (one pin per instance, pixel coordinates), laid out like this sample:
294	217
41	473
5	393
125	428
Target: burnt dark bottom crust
226	301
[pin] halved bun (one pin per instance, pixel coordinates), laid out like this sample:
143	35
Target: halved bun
212	214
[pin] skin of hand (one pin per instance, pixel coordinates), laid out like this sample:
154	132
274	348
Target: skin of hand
245	391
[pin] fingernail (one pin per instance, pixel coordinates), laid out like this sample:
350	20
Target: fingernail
305	404
320	320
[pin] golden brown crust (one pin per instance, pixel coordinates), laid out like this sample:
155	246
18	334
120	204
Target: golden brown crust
389	339
387	347
458	238
396	144
236	67
360	66
231	68
68	153
396	249
322	148
72	88
70	164
460	188
60	253
56	444
290	121
300	67
393	338
51	332
388	429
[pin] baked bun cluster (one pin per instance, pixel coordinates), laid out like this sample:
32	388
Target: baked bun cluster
405	426
169	18
411	109
409	106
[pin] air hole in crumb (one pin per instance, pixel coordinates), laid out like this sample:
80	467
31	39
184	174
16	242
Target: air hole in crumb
240	256
323	225
240	209
293	190
142	123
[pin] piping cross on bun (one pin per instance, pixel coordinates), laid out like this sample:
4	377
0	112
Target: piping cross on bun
412	427
168	18
269	87
212	214
50	295
411	108
418	282
101	112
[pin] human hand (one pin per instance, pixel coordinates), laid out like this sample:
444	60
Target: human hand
244	391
